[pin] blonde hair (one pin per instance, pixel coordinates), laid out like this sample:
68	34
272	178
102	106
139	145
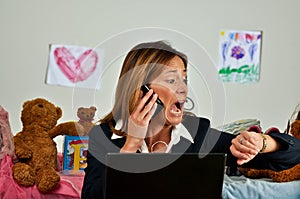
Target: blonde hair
141	65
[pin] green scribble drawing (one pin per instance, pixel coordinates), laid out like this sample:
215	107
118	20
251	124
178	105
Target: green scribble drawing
244	73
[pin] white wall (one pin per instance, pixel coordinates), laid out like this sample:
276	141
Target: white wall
28	27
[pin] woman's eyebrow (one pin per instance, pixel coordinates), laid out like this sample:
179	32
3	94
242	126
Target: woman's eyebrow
175	71
172	71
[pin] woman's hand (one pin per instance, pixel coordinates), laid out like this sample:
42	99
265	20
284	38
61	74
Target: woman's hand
248	144
138	122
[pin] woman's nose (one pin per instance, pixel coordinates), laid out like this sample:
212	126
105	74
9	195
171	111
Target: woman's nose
182	88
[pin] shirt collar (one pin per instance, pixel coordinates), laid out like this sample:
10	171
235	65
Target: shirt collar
180	131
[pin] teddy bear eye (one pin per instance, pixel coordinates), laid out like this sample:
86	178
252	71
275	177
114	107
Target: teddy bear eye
40	105
82	113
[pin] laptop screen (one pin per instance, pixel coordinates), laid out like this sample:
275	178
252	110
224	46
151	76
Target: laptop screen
164	175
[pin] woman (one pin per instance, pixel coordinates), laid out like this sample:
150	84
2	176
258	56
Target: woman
137	123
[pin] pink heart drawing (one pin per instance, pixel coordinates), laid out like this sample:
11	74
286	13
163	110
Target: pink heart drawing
76	70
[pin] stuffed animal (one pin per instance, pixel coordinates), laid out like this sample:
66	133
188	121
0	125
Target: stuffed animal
278	176
34	145
6	135
86	117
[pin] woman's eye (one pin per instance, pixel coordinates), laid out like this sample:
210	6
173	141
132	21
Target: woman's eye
171	81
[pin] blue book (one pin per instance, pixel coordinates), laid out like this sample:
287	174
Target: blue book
74	155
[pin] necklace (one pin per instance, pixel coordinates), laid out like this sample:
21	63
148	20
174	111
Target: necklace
157	142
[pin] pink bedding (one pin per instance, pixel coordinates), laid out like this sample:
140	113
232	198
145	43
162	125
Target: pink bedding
69	186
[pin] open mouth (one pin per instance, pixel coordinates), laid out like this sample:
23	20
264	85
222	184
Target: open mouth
177	107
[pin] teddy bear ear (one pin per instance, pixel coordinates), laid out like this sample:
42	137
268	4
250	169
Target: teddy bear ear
93	108
26	103
59	112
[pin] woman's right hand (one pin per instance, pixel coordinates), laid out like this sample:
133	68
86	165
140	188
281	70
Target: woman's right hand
138	122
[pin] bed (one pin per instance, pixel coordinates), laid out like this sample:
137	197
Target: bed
238	187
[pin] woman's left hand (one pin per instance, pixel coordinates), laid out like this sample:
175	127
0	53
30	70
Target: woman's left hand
246	146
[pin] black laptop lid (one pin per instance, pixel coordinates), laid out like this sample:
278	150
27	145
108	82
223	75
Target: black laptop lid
164	175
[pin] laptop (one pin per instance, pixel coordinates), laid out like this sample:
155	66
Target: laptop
164	175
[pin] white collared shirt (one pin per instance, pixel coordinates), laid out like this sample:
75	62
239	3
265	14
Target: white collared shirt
178	131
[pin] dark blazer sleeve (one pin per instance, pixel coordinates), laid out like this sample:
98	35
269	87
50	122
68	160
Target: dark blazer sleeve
100	144
287	157
93	184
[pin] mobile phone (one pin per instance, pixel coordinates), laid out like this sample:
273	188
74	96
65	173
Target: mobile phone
145	88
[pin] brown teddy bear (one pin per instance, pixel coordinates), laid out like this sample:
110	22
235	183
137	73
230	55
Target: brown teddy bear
34	145
279	176
86	117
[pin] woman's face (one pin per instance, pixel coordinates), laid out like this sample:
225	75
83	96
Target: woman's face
171	88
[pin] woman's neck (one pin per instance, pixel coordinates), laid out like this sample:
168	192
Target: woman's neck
159	139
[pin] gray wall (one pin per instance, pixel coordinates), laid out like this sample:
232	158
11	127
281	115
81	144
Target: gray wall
28	27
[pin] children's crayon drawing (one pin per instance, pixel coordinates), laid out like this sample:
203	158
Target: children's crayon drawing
239	56
74	66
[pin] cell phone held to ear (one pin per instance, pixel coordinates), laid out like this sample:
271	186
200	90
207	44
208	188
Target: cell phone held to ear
145	88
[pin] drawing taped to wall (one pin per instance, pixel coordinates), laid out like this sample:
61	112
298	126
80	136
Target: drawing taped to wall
239	56
74	66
